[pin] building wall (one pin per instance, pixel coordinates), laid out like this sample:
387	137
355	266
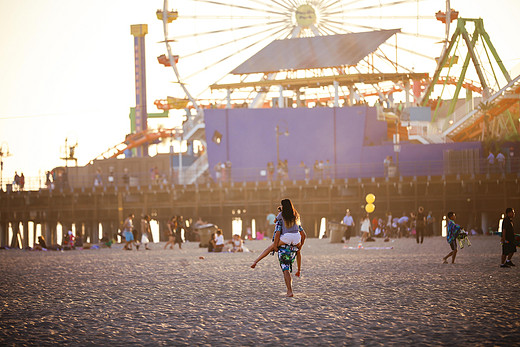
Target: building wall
351	138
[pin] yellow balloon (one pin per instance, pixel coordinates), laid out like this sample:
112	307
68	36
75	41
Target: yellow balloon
370	198
370	208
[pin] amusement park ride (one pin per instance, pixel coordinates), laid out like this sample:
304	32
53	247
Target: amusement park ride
266	73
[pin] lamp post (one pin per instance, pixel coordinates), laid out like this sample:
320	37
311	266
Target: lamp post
4	152
397	147
278	133
181	178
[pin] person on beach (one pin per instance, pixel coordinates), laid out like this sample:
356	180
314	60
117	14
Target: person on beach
68	241
211	243
145	231
288	242
237	244
348	221
508	238
289	237
270	222
128	226
271	246
365	228
79	241
430	219
178	232
172	226
219	241
453	231
420	224
41	245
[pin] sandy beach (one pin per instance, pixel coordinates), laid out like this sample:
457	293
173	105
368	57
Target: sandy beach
403	295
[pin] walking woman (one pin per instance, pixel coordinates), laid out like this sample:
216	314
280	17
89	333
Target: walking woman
178	231
145	231
365	228
128	226
288	240
172	226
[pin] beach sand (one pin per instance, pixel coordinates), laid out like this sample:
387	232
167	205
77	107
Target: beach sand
403	295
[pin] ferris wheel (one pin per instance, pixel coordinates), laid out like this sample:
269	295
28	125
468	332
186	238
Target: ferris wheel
206	39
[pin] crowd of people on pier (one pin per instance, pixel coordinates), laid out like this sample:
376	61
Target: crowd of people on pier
18	182
320	170
496	163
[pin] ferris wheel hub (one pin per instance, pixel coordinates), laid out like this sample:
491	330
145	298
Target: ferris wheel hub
305	16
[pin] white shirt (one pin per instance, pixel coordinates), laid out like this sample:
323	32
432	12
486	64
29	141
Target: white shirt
271	218
128	225
501	158
220	240
491	158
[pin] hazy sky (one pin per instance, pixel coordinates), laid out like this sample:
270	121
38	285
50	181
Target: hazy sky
66	70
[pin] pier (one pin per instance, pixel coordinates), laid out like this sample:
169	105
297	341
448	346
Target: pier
479	201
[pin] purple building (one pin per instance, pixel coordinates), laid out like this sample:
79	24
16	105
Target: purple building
351	138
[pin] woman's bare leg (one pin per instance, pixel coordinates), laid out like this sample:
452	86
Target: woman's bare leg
299	263
170	242
263	255
288	282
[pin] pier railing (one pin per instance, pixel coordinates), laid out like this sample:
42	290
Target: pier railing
192	175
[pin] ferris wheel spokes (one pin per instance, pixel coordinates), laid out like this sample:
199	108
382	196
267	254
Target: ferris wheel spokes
214	36
172	59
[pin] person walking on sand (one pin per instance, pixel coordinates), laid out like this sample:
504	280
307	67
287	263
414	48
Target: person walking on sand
420	224
287	241
348	221
178	232
508	238
172	226
145	231
271	247
453	231
128	226
365	228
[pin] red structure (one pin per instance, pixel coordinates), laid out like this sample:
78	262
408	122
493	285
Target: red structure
163	59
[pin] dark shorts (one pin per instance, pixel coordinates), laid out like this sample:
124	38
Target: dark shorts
347	233
508	248
453	245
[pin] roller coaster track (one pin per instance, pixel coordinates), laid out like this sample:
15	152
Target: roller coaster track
136	140
466	84
469	126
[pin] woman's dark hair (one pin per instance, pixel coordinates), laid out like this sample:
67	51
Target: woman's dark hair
289	214
450	214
